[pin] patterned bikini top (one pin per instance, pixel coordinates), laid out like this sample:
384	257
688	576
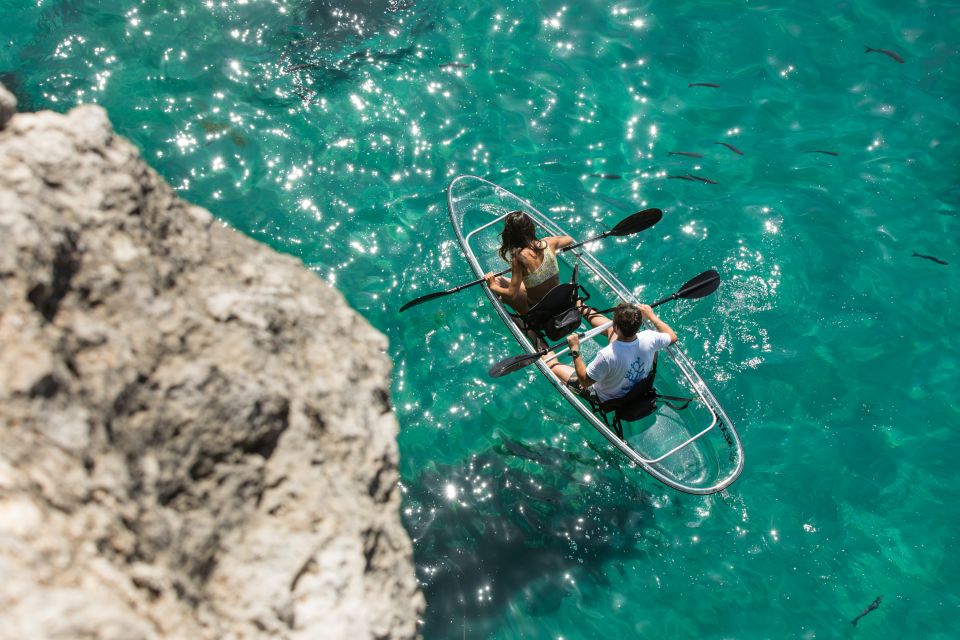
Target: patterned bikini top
547	269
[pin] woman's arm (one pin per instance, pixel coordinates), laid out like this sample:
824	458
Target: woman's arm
491	279
516	276
518	271
559	242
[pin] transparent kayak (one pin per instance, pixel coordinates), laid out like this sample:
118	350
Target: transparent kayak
696	450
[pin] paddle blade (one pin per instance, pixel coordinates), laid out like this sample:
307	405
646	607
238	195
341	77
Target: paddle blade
637	222
703	285
422	299
628	226
513	363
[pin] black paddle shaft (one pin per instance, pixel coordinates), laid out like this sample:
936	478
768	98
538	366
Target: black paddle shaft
633	223
703	285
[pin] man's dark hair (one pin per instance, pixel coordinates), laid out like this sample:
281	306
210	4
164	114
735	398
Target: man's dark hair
626	319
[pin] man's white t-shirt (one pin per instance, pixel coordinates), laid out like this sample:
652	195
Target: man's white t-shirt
620	365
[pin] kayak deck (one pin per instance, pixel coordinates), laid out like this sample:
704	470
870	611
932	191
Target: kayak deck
702	459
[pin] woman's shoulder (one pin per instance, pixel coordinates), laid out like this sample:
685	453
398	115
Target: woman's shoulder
529	253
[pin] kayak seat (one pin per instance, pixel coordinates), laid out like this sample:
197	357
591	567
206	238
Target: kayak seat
638	403
556	315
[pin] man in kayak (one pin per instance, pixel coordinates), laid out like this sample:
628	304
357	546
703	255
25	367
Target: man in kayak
625	361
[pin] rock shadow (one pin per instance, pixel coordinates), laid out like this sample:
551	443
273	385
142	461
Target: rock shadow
517	525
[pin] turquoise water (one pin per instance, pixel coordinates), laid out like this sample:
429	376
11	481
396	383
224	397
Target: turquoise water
330	132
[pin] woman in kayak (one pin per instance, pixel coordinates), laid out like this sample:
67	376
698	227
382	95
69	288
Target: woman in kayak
534	269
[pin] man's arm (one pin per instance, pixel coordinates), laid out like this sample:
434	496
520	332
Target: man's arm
660	325
573	341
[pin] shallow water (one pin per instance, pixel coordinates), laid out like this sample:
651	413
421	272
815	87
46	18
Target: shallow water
329	131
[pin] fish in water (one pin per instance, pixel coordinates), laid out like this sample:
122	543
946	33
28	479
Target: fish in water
606	176
214	126
298	67
731	147
886	52
690	178
701	179
829	153
873	605
703	84
238	138
454	65
689	154
931	258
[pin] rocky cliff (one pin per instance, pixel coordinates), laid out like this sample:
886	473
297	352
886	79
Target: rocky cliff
196	439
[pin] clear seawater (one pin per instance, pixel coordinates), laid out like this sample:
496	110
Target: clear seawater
329	130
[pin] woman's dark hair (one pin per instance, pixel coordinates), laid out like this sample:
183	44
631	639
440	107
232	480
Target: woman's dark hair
626	319
519	232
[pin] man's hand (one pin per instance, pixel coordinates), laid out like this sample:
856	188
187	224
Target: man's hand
579	366
647	312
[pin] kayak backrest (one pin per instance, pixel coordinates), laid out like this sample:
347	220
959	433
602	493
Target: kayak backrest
556	315
638	403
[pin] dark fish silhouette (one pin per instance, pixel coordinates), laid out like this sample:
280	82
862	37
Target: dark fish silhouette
605	176
931	258
703	84
454	65
731	147
305	94
214	126
873	605
298	67
689	154
701	179
690	178
886	52
238	139
829	153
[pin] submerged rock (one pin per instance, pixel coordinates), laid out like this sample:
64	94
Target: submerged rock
196	439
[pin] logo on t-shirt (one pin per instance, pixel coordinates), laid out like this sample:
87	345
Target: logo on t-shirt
636	372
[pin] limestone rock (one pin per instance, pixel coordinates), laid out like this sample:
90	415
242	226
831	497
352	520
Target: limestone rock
196	439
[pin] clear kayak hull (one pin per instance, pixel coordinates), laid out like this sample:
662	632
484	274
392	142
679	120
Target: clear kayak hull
696	450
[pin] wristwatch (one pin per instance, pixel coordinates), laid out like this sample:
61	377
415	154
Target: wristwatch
574	354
